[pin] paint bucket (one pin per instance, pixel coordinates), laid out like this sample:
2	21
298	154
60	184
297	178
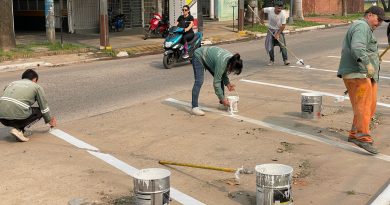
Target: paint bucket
311	105
273	184
233	103
151	186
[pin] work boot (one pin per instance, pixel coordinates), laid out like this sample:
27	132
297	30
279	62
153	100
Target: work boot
365	145
19	135
197	111
286	62
270	63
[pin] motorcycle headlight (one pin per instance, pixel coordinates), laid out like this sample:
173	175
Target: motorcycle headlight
168	44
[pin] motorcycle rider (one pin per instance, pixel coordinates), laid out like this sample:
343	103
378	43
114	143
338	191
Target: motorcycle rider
186	21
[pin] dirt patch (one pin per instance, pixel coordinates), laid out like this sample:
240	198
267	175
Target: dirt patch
243	197
286	147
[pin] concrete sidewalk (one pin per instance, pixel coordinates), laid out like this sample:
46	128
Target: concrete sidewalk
131	41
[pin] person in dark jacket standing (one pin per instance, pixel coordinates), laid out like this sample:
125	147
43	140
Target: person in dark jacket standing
186	21
359	68
16	109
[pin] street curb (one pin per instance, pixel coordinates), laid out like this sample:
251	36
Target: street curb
152	49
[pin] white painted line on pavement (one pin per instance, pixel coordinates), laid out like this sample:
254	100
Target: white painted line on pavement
286	130
72	140
115	162
340	57
304	90
333	71
383	198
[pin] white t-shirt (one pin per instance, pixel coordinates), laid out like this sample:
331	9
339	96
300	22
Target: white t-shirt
275	21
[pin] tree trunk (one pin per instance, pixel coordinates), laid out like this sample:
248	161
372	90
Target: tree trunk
7	31
344	8
298	12
384	5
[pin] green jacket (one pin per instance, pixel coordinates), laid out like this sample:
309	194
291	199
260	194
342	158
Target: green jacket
215	60
19	96
360	48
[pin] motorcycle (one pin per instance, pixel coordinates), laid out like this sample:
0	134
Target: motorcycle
117	22
158	26
174	50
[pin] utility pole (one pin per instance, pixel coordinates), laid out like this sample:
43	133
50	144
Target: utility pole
290	18
104	40
50	21
240	15
7	31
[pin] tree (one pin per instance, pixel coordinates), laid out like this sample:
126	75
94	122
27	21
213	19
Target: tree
344	8
7	32
385	6
298	12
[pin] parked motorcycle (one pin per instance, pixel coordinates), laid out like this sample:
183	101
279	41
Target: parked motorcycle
158	26
117	22
174	50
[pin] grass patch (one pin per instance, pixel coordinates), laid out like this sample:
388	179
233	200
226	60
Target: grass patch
33	49
263	29
64	46
349	17
301	24
256	28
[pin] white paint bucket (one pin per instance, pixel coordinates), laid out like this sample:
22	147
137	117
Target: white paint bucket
311	105
233	103
151	186
273	184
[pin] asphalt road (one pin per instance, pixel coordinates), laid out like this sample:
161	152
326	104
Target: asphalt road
83	90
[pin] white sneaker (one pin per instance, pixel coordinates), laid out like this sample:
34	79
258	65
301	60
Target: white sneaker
270	63
197	111
19	135
222	107
185	56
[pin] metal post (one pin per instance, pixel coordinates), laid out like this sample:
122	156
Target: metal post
61	20
290	18
50	21
104	40
233	16
240	15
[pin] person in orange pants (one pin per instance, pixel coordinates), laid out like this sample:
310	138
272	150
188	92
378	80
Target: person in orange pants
359	67
362	93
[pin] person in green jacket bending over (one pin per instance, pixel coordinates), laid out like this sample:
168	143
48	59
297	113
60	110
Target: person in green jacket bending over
16	109
220	63
359	69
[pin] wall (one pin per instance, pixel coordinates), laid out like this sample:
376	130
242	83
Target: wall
323	7
225	9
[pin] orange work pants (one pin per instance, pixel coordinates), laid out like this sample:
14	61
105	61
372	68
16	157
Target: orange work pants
363	95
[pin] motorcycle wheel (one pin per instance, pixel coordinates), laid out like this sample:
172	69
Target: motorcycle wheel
169	61
165	34
121	28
